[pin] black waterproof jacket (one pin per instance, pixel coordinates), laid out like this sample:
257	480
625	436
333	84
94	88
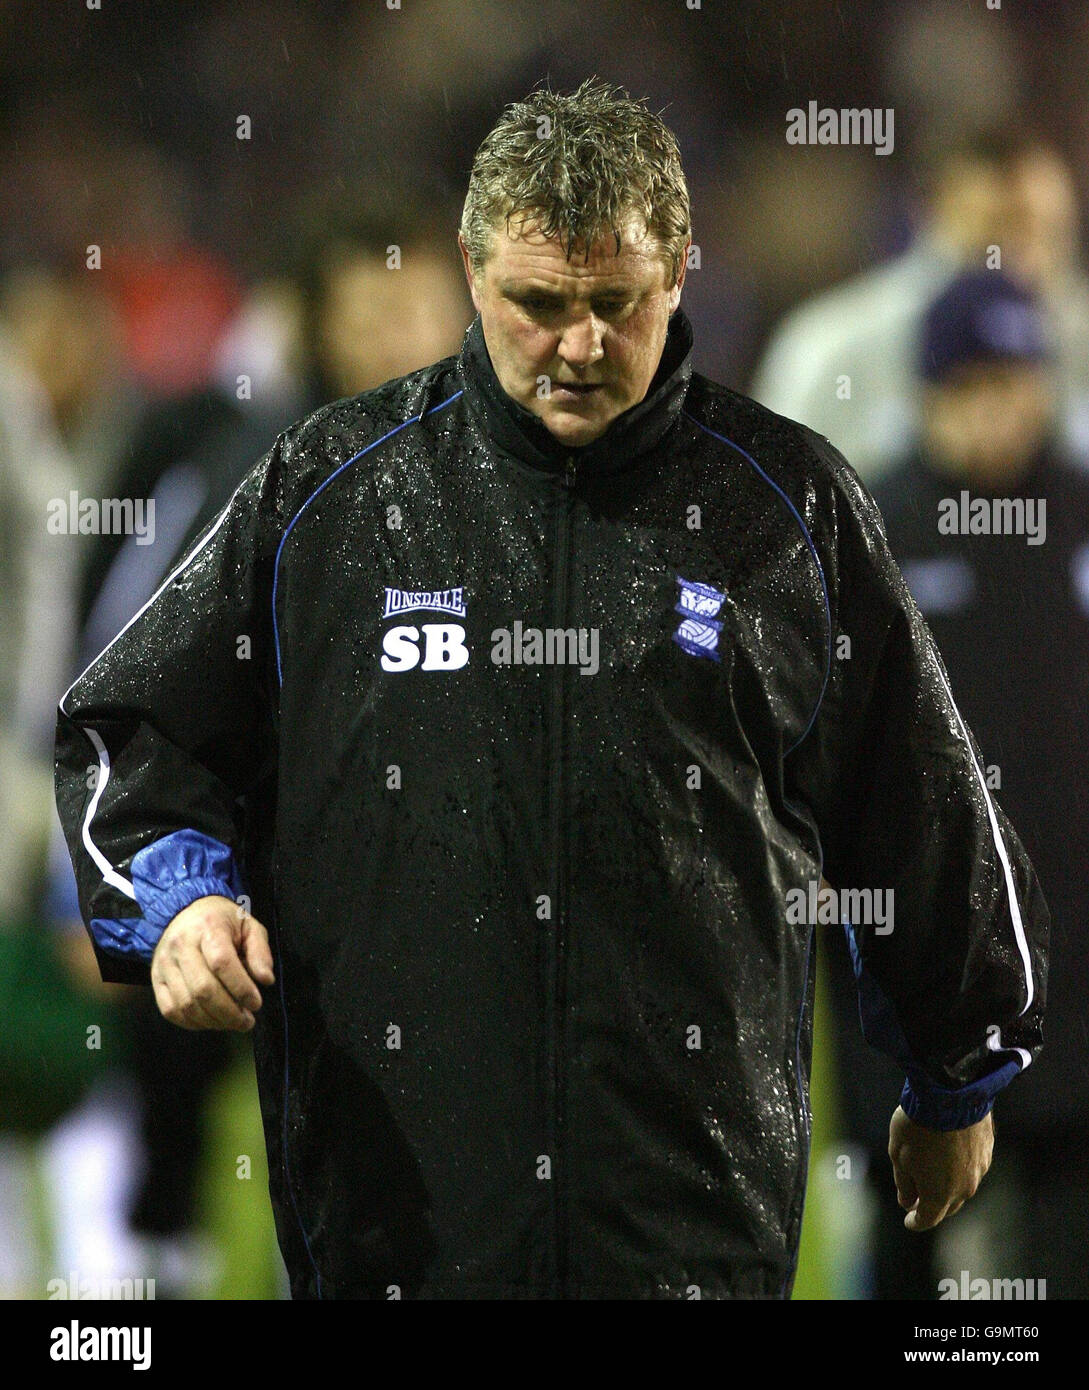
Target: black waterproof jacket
543	911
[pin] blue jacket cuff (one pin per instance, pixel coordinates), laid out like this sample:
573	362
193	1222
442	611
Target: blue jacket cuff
936	1108
130	937
167	876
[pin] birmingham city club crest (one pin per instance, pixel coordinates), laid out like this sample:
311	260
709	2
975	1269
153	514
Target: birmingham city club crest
698	605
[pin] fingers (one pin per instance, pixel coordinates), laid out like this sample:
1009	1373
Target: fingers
164	998
256	951
175	1005
189	992
907	1194
209	1004
929	1212
206	966
926	1214
937	1171
219	955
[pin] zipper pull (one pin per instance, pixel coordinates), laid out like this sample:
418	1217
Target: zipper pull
569	471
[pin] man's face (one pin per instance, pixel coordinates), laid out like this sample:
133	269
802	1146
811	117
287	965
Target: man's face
576	342
988	420
376	323
1040	230
1031	211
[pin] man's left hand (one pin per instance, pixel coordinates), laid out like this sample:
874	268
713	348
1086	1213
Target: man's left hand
937	1170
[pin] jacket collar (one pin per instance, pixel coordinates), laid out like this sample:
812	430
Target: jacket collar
518	432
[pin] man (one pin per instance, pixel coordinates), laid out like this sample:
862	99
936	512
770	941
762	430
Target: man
844	362
1009	604
504	695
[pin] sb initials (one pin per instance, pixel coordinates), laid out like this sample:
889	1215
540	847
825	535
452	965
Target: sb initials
444	648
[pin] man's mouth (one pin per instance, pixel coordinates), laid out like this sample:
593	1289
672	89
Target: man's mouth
575	389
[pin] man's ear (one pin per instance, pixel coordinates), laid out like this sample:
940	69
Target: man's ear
467	263
675	292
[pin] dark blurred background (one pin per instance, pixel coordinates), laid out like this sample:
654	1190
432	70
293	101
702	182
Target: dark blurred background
195	211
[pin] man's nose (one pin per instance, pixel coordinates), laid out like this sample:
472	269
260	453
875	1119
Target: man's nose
580	342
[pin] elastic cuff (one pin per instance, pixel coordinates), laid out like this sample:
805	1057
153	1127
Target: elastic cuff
936	1108
177	870
129	937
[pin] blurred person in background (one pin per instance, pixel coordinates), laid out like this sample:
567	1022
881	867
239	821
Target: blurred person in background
844	362
123	1167
65	408
32	469
1010	613
381	293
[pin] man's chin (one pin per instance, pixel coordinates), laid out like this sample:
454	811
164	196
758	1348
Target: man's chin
571	427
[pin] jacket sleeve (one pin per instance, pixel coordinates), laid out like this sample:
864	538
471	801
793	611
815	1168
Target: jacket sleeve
955	991
163	735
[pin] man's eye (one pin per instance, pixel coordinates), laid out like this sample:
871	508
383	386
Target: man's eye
535	305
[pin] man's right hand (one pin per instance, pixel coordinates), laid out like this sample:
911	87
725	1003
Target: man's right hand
208	964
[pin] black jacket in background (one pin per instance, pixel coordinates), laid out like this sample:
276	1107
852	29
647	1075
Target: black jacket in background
541	1026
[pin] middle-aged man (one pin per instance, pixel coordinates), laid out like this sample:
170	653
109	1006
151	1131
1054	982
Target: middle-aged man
525	700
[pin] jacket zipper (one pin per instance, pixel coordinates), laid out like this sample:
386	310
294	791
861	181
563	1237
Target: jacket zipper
558	983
